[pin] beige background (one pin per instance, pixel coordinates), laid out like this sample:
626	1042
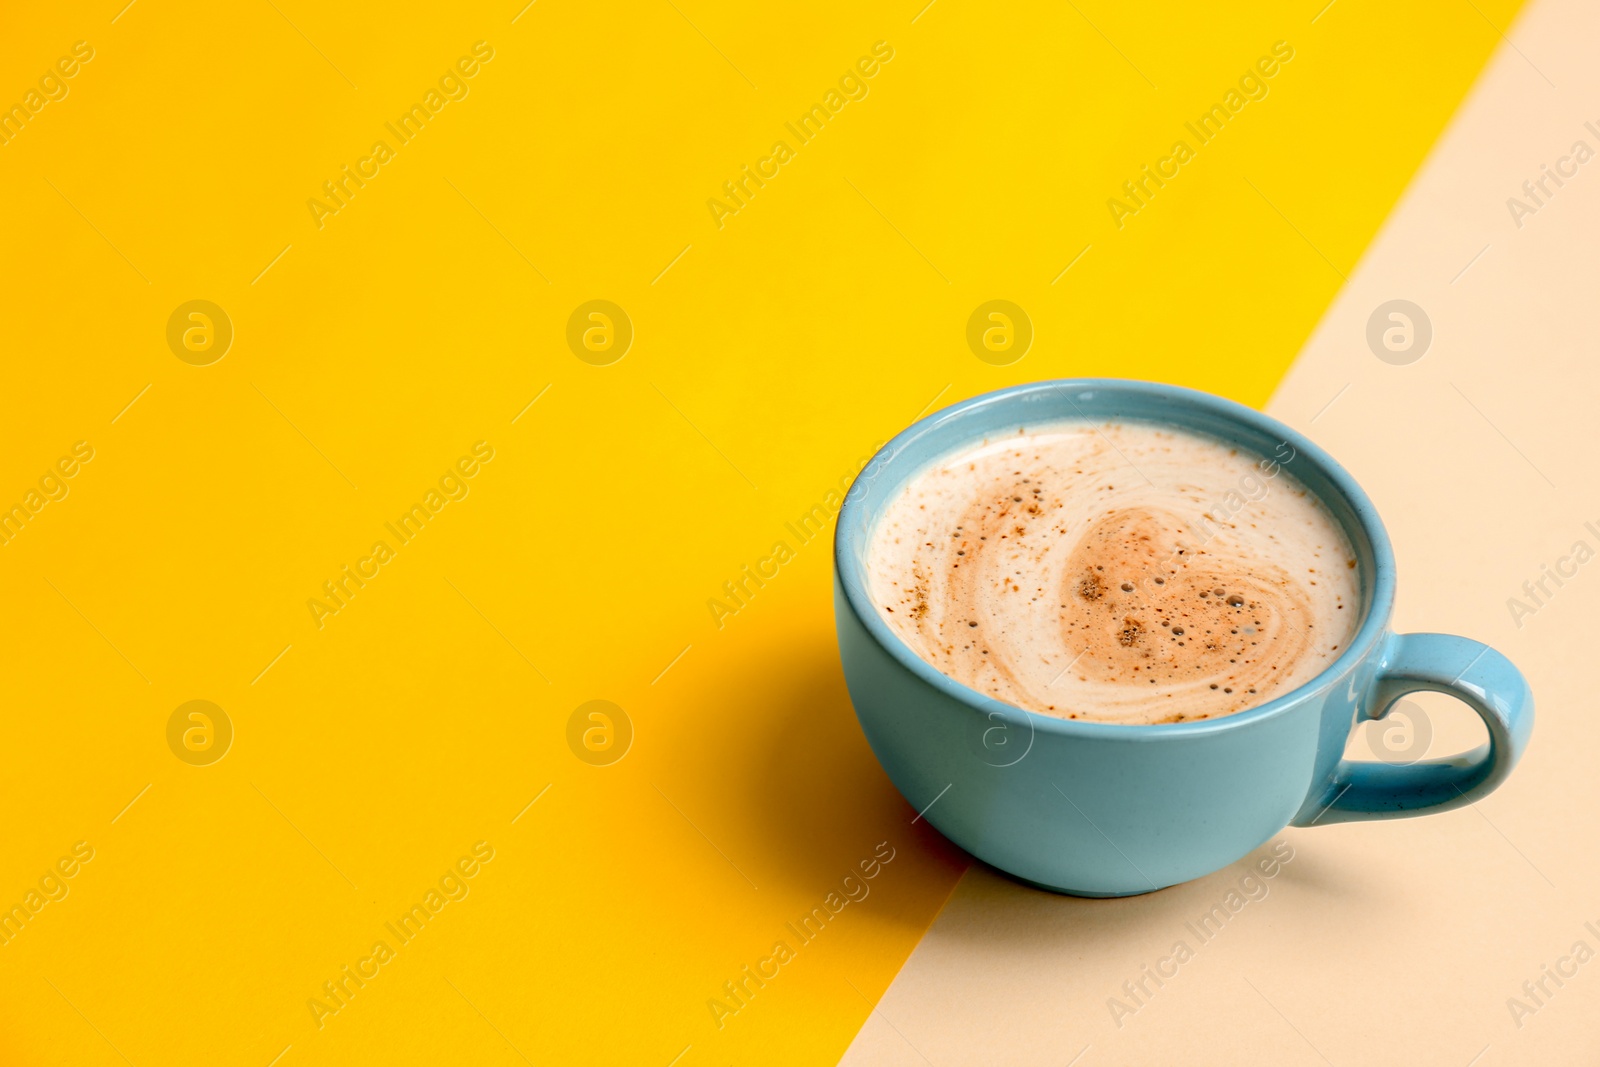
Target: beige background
1396	942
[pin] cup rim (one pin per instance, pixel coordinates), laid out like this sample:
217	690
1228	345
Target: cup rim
850	569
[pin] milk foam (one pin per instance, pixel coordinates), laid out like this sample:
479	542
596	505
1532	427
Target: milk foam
1116	572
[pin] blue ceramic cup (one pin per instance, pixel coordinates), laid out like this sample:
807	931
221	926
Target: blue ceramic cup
1098	809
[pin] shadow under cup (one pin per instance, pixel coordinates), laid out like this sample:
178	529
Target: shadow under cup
1099	809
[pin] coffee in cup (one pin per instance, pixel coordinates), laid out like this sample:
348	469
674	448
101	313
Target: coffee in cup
1116	572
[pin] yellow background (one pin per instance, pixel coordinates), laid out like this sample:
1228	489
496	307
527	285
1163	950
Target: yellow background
425	316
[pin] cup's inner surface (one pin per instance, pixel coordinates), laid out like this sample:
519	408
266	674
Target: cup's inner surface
1112	552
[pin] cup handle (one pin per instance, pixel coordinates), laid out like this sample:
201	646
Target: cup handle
1471	672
